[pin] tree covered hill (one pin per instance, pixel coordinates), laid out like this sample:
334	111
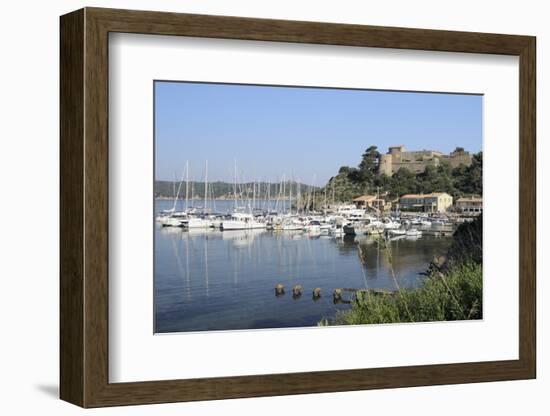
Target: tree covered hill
351	182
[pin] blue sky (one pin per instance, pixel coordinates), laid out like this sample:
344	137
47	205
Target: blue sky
304	133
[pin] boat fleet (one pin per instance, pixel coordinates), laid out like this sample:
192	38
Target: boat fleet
397	225
334	220
313	223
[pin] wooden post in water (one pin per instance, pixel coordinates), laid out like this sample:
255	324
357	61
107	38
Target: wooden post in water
279	290
296	291
316	295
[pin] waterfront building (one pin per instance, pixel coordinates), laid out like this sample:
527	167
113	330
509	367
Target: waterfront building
364	201
373	202
470	205
434	202
416	161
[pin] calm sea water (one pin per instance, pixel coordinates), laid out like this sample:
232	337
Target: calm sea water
214	280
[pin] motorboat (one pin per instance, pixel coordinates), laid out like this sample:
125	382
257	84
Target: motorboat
325	229
170	221
399	231
292	225
242	221
391	225
196	222
174	219
313	227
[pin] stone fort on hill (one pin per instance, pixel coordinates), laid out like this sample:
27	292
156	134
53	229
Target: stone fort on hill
416	161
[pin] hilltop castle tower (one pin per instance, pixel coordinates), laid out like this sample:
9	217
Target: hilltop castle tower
398	157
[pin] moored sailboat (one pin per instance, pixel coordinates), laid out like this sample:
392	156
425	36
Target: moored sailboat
242	221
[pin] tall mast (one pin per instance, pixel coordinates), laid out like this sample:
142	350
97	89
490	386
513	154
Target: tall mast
253	195
279	189
174	192
187	186
378	202
298	197
284	193
325	201
313	199
206	185
268	196
308	199
235	186
290	196
177	195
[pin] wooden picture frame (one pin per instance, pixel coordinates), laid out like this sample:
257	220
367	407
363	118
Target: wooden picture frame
84	207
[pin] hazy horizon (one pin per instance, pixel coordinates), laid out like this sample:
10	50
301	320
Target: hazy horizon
274	182
305	133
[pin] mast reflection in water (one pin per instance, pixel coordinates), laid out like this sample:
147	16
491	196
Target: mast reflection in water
214	280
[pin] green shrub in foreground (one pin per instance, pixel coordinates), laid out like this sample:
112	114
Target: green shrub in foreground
457	295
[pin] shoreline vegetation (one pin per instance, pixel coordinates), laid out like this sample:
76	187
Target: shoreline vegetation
219	198
349	182
451	291
225	190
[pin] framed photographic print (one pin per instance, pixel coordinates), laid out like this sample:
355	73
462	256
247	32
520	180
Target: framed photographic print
255	207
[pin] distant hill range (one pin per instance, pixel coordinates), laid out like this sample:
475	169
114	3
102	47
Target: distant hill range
225	190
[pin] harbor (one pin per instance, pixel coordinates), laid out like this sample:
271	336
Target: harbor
279	207
295	209
208	278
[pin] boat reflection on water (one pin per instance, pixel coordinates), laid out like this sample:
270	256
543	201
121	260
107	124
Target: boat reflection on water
207	279
197	232
169	230
242	238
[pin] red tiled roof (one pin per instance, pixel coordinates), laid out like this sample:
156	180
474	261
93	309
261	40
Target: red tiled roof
364	198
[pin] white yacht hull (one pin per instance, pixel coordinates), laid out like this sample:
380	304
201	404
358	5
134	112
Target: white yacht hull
292	227
216	223
196	223
162	218
171	222
242	225
397	232
312	229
